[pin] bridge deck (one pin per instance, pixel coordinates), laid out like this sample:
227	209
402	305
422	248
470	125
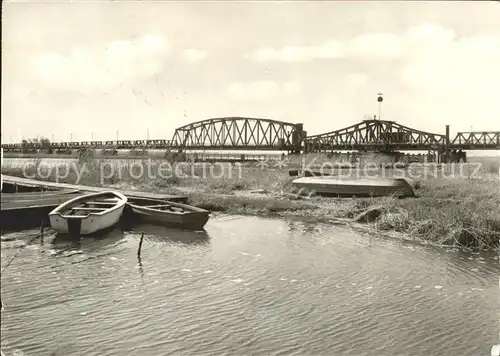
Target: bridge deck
255	134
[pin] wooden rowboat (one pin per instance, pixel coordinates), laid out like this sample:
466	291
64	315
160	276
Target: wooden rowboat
338	186
169	214
88	214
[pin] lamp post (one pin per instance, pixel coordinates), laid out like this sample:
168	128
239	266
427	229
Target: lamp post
380	99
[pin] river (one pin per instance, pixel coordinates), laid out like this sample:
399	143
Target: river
247	286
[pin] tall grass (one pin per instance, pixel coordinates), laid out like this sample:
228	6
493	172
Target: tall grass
155	174
459	211
457	204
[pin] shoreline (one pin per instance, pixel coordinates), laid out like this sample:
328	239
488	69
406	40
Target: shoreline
446	211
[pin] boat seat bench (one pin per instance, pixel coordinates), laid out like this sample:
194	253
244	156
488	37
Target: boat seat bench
100	203
173	208
88	209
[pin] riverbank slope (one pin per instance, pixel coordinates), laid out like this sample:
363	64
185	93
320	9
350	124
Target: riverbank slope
454	204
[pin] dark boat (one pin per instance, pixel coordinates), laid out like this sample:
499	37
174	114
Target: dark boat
169	214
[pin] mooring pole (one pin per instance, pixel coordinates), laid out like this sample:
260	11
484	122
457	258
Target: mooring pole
140	246
41	231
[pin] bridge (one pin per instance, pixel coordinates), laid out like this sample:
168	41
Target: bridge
259	134
375	135
233	133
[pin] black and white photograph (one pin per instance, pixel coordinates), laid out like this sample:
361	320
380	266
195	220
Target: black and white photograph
209	178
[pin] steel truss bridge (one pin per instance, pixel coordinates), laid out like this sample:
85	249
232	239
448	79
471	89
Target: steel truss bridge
258	134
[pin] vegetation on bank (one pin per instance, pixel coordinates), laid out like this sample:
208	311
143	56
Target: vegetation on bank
455	205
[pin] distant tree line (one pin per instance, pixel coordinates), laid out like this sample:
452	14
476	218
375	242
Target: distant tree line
36	144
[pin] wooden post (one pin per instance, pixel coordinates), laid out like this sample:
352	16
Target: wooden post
140	246
41	232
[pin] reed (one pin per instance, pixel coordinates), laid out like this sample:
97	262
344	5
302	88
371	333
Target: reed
455	204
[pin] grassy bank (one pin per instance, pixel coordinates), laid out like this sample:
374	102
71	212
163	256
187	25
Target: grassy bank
454	205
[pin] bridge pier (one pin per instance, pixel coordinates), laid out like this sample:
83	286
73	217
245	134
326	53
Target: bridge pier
298	138
447	145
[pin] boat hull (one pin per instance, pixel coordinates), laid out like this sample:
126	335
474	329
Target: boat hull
88	225
62	221
333	186
182	216
189	220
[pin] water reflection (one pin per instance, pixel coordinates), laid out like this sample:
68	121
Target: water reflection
159	234
95	242
294	288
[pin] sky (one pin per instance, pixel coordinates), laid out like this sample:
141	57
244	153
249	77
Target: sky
85	70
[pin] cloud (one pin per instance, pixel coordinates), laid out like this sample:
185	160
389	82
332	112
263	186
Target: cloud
88	70
376	45
368	45
291	88
469	65
332	49
194	55
261	90
456	74
357	79
421	40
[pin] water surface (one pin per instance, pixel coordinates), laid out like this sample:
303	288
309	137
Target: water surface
247	286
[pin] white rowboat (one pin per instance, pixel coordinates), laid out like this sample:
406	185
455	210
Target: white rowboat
88	214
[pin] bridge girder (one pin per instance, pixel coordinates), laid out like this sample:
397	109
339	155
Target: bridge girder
377	135
235	133
241	133
468	140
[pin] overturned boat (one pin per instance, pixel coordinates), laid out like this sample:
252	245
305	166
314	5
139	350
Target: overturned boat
348	187
88	214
